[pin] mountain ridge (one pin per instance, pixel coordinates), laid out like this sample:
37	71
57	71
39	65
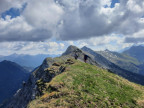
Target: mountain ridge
126	60
85	85
53	67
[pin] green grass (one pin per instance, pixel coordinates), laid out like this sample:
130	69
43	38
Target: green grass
83	85
130	59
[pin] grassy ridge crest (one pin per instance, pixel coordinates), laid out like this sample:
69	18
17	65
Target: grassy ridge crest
83	85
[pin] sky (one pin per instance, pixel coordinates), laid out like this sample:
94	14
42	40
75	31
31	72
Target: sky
50	26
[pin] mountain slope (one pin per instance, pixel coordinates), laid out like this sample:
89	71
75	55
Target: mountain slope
38	83
136	52
11	77
105	63
84	85
124	61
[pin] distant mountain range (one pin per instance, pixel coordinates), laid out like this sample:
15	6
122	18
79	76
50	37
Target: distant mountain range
27	61
124	61
11	77
114	68
131	59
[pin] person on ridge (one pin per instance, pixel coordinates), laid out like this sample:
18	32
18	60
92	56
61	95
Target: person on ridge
85	58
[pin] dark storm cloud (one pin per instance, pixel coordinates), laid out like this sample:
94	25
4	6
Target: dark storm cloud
134	40
87	20
34	35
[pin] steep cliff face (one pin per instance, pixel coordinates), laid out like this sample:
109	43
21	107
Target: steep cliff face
32	88
23	95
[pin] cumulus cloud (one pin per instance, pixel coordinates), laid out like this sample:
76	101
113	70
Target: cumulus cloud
14	29
38	22
91	18
7	4
33	48
44	15
112	42
71	19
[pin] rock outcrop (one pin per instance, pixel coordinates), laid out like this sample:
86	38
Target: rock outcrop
32	88
73	51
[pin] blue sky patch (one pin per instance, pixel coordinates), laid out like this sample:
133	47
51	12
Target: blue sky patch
114	2
13	12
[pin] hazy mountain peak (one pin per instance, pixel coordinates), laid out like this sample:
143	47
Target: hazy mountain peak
107	50
85	48
7	62
140	47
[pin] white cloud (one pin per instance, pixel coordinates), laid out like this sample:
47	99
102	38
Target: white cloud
44	14
33	48
79	22
62	45
113	42
37	22
106	2
135	6
73	19
14	29
70	42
